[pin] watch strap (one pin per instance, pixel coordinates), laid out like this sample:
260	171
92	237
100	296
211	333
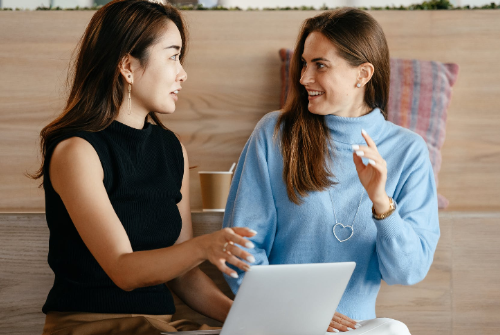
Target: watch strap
382	216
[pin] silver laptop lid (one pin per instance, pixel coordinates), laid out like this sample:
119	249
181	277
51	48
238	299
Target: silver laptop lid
292	299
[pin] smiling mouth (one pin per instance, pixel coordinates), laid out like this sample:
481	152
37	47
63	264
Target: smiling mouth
315	93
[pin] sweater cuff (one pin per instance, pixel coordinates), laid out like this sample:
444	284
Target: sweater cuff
390	227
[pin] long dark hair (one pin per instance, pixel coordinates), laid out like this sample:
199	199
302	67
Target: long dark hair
120	28
304	135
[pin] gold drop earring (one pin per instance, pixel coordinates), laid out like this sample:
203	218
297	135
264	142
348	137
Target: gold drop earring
129	97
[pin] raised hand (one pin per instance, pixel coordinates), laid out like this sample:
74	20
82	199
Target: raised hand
372	176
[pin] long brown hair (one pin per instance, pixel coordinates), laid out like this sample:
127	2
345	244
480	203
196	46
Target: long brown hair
120	28
304	135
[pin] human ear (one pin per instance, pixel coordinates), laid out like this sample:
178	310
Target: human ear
365	73
128	67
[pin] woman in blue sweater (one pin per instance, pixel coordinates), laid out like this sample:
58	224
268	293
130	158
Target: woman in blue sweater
329	179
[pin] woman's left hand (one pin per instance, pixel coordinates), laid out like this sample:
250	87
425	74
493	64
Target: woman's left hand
341	323
373	176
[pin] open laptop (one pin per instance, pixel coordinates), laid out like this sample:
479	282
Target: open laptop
291	299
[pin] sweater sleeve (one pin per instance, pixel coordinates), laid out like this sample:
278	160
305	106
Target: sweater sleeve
250	202
407	239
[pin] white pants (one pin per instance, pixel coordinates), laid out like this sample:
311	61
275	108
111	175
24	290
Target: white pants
379	326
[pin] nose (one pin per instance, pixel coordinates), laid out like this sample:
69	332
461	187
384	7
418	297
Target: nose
182	75
307	77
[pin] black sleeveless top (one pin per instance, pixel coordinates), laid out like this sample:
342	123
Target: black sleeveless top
143	170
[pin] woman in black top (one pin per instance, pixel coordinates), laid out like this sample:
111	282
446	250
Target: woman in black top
116	182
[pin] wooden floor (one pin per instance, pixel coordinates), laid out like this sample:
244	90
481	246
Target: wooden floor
460	295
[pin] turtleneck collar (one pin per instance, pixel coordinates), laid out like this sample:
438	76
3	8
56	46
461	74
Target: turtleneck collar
134	134
348	129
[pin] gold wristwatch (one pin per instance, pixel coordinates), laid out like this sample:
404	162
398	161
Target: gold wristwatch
392	208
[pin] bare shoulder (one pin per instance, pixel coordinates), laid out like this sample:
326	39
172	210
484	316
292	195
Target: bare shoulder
73	145
74	158
75	151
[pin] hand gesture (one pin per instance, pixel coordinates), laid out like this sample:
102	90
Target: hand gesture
220	247
373	176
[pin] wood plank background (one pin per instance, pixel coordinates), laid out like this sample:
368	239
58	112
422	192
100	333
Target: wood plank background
233	70
460	295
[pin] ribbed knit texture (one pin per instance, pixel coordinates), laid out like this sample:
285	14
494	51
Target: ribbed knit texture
143	171
398	249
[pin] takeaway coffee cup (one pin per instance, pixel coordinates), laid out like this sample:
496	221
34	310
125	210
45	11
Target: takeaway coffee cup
215	189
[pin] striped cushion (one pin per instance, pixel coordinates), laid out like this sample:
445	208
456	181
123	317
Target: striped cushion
420	93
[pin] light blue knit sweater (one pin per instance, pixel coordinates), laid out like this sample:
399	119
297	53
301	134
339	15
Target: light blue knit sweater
398	249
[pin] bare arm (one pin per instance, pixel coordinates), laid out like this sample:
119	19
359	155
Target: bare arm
77	176
195	288
200	293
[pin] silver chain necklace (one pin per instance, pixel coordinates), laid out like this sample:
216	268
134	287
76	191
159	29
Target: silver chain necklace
340	224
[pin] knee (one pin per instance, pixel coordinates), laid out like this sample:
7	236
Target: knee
395	327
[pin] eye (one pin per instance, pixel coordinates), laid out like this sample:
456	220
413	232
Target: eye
320	65
304	63
175	57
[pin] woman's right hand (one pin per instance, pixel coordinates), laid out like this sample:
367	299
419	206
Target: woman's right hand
221	247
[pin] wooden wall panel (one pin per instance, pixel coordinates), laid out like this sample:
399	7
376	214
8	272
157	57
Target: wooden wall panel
426	308
233	71
25	276
476	273
35	48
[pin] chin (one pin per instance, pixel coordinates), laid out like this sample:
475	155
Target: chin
317	111
166	110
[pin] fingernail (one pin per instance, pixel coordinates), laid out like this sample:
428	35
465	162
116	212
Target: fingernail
234	275
364	132
249	245
355	147
335	330
372	162
357	325
348	328
246	268
360	153
251	259
253	231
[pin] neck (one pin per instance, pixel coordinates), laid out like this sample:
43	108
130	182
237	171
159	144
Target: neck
133	118
356	110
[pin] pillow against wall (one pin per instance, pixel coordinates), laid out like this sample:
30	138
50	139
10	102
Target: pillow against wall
420	93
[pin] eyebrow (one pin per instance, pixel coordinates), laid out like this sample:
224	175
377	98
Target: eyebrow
318	59
174	47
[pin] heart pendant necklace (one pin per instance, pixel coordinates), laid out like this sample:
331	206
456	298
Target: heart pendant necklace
342	226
